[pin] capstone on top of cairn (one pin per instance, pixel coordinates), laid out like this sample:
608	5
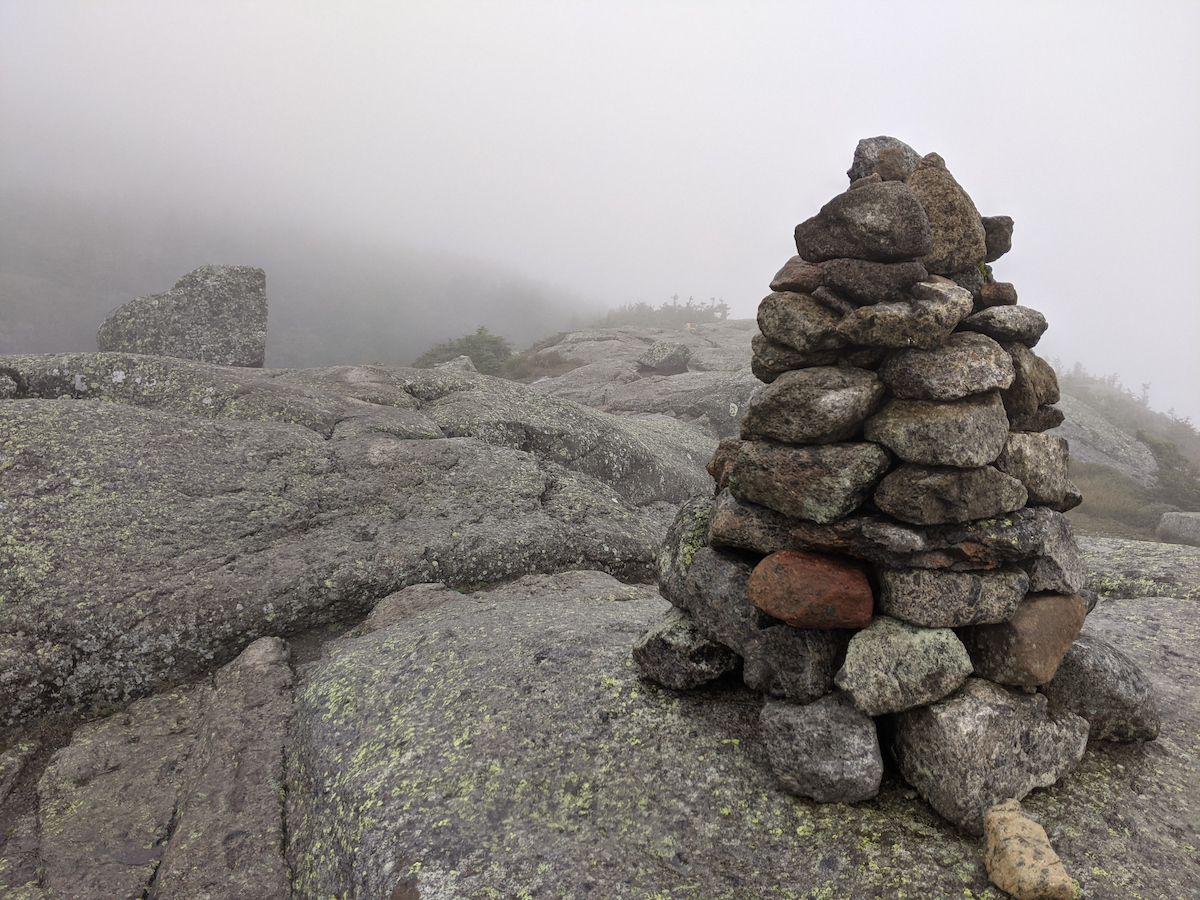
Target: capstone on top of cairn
887	536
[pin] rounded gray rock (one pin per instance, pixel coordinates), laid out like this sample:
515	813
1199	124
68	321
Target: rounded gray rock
925	321
800	322
1038	461
893	665
966	433
819	405
965	364
1100	683
1008	323
678	655
883	222
984	744
827	750
866	155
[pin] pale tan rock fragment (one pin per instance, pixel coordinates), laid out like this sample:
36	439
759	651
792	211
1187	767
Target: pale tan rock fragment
1019	858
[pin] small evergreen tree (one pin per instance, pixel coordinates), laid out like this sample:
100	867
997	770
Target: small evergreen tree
487	351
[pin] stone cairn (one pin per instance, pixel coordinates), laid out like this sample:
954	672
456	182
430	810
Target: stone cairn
886	557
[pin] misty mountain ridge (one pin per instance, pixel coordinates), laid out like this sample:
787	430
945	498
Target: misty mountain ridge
66	262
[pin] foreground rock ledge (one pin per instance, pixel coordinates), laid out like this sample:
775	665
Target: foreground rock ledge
503	742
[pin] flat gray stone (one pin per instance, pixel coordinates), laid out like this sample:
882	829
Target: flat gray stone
821	483
1097	681
827	750
215	314
893	665
965	364
866	282
799	276
939	598
984	744
678	655
939	495
665	358
1008	323
820	405
925	321
967	433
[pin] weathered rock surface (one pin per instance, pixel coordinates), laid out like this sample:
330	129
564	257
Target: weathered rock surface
799	322
1034	386
892	666
998	293
827	750
820	405
144	545
713	589
1179	528
868	282
998	234
1019	858
771	359
1027	649
866	156
1120	568
798	275
1039	462
215	314
925	321
966	433
665	358
937	495
678	655
883	222
1097	681
796	663
959	240
177	797
964	364
820	484
807	590
936	598
522	706
1093	439
984	744
1008	323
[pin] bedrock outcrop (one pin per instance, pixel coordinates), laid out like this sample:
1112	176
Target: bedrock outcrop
159	515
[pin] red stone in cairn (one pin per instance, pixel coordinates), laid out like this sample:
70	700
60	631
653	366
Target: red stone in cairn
809	590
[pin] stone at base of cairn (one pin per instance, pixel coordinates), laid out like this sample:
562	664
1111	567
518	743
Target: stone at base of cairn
887	540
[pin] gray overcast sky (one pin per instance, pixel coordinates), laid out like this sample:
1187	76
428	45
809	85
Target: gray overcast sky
632	151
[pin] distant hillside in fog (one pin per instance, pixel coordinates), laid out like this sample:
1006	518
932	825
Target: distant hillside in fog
65	263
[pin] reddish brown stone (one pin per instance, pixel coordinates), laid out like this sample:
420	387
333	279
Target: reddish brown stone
1027	649
809	590
999	293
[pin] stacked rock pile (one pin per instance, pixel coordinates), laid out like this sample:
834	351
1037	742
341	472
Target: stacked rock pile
887	545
